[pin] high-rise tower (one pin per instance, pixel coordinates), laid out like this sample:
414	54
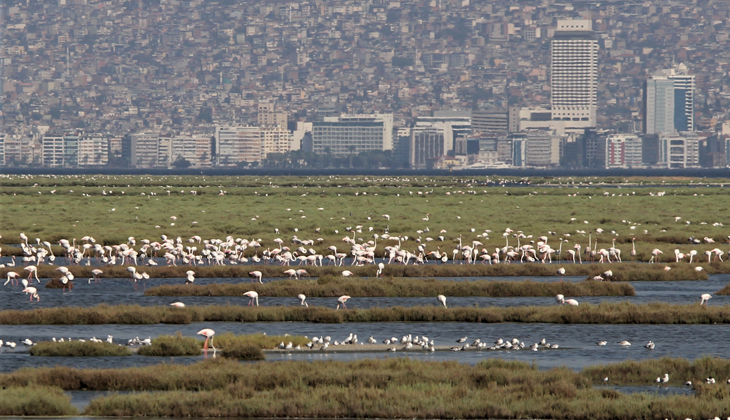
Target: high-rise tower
669	101
574	73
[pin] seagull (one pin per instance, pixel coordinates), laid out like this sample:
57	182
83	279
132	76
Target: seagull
624	343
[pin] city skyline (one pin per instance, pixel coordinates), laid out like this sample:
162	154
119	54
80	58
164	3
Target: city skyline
539	65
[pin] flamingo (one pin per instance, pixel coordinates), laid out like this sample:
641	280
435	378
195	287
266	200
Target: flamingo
253	297
561	271
301	298
12	278
33	270
561	299
341	301
692	254
705	297
178	304
96	272
381	267
655	255
291	273
66	281
208	334
442	299
191	276
131	270
347	273
33	292
256	275
633	247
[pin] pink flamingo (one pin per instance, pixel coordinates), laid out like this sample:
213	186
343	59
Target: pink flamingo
253	297
341	301
33	292
33	270
256	275
208	334
96	272
12	278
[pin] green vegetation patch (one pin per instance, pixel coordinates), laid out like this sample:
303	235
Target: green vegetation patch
35	400
172	345
394	388
78	349
603	313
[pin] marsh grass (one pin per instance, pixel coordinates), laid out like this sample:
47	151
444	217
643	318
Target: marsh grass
680	370
603	313
35	400
78	349
328	286
724	291
172	345
401	388
244	352
621	272
247	346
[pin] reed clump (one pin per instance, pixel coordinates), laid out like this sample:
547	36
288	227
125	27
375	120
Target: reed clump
78	349
244	352
680	370
35	400
171	346
603	313
329	286
724	291
260	341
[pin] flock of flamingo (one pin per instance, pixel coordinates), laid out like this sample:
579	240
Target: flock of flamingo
232	251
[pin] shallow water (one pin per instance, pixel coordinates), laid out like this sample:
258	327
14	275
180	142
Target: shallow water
577	342
122	291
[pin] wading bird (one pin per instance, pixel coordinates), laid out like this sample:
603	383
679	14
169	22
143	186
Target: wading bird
256	275
341	301
33	292
32	271
254	297
208	334
96	272
442	299
301	298
12	278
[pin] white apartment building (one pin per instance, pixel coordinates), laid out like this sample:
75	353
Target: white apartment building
144	150
385	119
93	150
679	150
276	139
574	73
429	141
52	151
195	148
236	144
